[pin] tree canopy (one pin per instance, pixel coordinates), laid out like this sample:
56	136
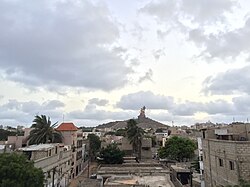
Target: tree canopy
43	131
16	170
177	148
112	154
5	133
135	135
94	145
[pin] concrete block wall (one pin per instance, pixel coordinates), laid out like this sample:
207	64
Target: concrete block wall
229	151
36	155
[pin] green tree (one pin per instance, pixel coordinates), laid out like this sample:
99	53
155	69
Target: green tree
17	171
94	145
5	133
112	154
135	135
177	148
43	131
120	132
242	183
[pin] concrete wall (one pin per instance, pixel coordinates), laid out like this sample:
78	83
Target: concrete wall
236	152
146	151
16	141
60	163
69	137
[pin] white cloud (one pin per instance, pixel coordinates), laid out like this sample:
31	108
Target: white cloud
60	43
148	76
229	82
135	101
100	102
180	12
92	113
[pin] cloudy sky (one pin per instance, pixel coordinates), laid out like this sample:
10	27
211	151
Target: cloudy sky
94	61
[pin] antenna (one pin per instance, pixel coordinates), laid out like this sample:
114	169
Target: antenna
63	118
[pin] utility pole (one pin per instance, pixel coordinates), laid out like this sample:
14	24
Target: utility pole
88	169
53	176
191	177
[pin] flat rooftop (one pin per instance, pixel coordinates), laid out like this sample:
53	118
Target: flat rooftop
39	147
151	181
133	168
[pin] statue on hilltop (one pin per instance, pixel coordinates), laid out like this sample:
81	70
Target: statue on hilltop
142	113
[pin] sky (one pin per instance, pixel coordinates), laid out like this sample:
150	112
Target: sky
96	61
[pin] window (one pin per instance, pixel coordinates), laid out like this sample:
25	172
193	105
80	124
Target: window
220	162
203	134
231	164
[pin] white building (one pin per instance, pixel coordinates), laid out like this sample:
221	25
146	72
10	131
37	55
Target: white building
200	153
55	161
85	134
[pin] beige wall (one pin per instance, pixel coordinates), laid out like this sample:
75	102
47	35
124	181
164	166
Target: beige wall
146	151
237	152
16	141
69	137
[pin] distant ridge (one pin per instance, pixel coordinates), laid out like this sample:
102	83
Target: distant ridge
142	121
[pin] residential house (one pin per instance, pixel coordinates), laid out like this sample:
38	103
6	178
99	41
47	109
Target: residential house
226	154
73	136
55	161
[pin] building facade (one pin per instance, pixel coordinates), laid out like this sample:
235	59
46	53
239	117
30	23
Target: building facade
55	161
226	155
74	137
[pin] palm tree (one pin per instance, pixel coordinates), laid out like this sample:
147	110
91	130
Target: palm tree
135	135
43	131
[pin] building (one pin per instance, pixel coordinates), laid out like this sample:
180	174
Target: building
5	148
226	154
200	156
73	137
85	134
180	175
161	138
134	174
146	152
55	161
19	141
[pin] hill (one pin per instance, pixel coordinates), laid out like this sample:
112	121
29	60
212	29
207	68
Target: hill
142	121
